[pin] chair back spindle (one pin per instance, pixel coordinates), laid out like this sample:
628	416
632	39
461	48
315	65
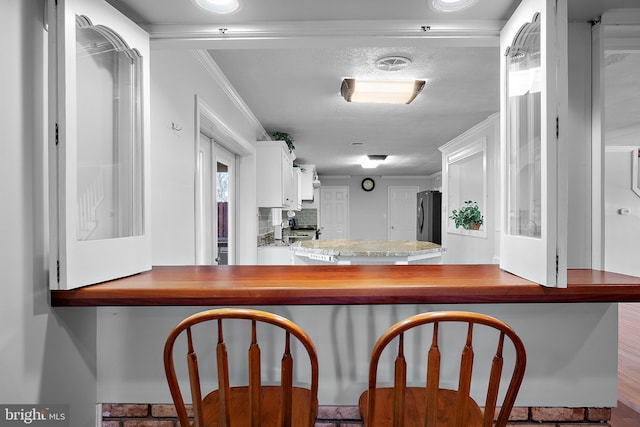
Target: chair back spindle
194	379
464	386
286	382
255	380
400	375
433	379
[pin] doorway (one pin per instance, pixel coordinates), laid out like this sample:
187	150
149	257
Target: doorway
215	207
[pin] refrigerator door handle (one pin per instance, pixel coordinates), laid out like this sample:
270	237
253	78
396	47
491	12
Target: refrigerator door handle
421	215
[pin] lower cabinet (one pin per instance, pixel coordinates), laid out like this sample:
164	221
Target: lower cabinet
275	255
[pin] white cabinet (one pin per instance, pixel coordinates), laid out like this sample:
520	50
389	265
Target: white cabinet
276	177
297	202
308	177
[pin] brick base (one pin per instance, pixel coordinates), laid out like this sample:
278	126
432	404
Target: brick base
164	415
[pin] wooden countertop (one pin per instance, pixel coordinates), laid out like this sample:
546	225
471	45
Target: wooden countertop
338	284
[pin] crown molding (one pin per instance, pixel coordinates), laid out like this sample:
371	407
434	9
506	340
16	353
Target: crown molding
324	33
214	71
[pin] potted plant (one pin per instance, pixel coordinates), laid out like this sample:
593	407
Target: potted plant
283	136
468	217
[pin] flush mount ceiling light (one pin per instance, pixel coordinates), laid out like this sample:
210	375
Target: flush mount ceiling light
218	6
388	92
373	161
451	5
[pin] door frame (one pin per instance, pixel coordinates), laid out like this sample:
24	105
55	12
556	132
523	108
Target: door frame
208	123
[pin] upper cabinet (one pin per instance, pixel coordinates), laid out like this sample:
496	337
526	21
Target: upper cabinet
277	180
308	182
98	155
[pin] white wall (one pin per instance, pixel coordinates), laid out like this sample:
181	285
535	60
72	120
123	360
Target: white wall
622	231
579	127
368	209
571	349
46	355
177	76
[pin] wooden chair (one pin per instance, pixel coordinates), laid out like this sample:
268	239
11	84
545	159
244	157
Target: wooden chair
432	406
253	405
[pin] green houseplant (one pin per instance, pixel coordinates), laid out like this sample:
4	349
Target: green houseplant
283	136
468	217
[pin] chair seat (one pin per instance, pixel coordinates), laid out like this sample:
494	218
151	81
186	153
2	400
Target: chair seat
270	407
415	404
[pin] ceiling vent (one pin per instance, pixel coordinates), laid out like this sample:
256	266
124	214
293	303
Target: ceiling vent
393	63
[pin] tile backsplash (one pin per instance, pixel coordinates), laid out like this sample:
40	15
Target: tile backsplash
304	218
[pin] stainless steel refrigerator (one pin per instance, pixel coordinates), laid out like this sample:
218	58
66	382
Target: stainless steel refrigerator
429	217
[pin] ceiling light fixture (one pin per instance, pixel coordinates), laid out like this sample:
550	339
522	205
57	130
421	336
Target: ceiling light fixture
452	5
388	92
373	161
218	6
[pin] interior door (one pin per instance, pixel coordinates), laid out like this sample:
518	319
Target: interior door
334	213
225	205
205	190
533	110
402	213
98	156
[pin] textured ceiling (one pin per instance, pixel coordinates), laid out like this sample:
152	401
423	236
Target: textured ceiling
293	86
461	90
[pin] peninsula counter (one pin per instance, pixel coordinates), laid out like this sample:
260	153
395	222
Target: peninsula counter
339	284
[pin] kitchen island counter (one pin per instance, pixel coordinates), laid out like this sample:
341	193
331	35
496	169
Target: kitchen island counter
354	251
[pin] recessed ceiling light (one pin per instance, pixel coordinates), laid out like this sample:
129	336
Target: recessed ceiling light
218	6
451	5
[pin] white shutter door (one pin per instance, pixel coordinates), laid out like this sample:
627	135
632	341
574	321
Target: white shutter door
98	159
533	100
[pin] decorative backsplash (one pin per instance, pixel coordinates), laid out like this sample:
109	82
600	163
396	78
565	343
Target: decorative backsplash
265	226
304	217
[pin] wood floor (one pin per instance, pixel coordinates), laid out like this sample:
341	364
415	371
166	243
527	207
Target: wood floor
627	414
623	416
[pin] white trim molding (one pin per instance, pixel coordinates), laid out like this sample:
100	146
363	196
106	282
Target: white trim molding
214	71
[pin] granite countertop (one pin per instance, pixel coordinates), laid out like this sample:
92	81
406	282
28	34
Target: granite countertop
373	248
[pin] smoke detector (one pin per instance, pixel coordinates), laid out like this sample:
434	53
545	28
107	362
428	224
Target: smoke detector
393	63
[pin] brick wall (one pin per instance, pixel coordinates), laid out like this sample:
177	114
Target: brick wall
164	415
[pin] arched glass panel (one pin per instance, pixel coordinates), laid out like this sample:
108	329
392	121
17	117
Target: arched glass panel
524	87
109	134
